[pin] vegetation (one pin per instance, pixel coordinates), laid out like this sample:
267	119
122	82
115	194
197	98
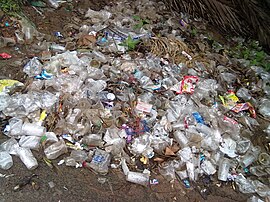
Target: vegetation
11	6
130	43
253	52
140	22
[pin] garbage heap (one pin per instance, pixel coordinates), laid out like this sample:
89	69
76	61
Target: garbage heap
104	106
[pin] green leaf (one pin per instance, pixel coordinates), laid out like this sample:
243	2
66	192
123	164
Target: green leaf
260	55
254	62
130	43
136	17
139	25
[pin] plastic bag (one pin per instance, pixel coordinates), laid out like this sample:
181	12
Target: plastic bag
33	67
101	161
6	85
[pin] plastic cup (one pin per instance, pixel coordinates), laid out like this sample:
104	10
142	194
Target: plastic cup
264	159
138	178
250	157
27	158
223	170
33	129
5	160
181	138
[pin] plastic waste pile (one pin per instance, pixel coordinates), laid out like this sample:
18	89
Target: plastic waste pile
103	110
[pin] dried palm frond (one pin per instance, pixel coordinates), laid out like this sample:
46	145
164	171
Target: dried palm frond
245	17
166	47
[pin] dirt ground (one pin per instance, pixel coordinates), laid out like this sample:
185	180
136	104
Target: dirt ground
71	184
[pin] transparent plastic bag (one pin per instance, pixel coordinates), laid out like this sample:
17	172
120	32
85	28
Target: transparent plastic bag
243	93
101	161
33	67
78	155
264	107
115	141
245	186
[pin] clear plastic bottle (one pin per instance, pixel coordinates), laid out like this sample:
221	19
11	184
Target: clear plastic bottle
5	160
27	158
55	150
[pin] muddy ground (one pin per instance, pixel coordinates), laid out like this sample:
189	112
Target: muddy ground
63	183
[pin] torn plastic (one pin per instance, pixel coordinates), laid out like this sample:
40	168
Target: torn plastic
98	16
78	156
115	141
33	67
7	85
244	185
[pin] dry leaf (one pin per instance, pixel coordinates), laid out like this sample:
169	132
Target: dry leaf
169	152
157	159
86	41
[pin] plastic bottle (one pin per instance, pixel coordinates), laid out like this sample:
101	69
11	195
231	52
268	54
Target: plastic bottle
27	158
15	126
28	34
208	167
5	160
55	150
